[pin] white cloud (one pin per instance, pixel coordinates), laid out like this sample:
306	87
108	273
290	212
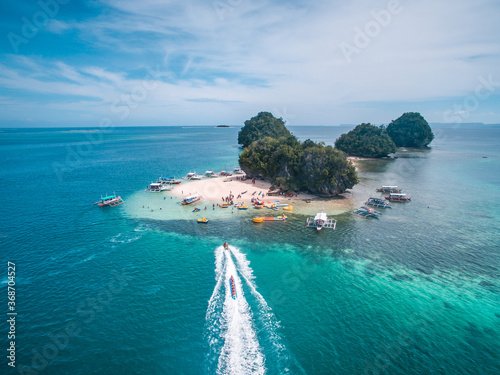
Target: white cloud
260	55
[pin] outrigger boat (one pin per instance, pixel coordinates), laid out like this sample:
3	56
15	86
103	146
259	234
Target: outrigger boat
377	202
193	176
110	200
365	212
260	219
232	286
168	181
226	246
158	187
395	197
321	221
389	189
190	199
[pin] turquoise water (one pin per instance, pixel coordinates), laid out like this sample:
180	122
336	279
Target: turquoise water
413	292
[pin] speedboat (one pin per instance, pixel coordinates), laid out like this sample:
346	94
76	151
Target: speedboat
232	286
196	209
226	246
110	200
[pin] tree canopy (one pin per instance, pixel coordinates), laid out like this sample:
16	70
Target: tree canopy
366	140
410	130
293	165
260	126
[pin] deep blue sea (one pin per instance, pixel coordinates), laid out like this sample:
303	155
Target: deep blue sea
115	291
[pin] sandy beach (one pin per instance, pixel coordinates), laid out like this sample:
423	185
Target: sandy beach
213	190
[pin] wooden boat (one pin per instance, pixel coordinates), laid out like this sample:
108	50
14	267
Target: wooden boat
110	201
377	202
158	187
190	199
232	287
203	221
396	197
193	176
321	221
276	218
389	189
168	181
366	212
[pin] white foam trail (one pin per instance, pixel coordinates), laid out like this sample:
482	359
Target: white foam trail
241	353
231	333
267	317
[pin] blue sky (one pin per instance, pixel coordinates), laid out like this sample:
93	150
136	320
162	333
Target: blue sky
152	62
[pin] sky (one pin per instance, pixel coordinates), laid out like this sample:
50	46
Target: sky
192	62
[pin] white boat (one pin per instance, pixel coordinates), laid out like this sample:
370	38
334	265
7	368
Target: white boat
238	171
190	199
158	187
321	221
193	176
210	174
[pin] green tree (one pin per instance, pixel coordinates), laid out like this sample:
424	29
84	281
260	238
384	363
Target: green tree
410	130
260	126
366	140
293	165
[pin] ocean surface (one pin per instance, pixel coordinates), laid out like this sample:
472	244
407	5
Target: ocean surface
117	291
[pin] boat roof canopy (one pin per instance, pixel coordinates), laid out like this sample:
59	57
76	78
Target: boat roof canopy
321	216
398	195
390	187
108	197
191	197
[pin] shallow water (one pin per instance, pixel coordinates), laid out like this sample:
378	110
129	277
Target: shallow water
415	291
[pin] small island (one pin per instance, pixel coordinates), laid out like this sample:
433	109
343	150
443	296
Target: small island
369	141
223	126
272	153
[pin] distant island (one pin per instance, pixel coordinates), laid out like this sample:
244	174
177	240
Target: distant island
271	152
366	140
222	126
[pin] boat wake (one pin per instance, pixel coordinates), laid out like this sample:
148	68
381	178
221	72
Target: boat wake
240	340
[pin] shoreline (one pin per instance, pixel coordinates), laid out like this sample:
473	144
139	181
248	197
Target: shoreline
213	190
